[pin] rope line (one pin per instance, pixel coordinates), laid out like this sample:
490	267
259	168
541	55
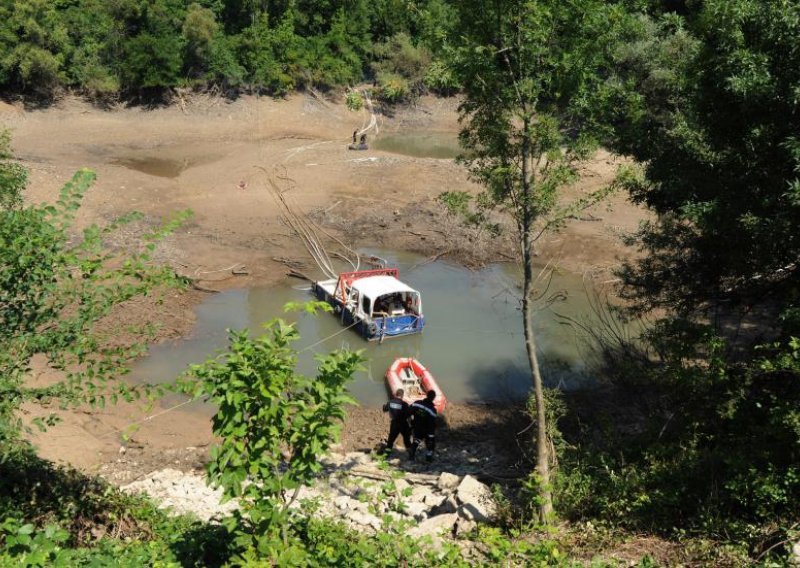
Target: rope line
190	400
323	340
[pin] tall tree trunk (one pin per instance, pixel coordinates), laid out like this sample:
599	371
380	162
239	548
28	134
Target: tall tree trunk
542	452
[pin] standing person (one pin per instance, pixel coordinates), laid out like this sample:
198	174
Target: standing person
398	410
424	416
355	136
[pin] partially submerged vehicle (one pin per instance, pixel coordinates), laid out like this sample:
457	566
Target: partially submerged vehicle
375	302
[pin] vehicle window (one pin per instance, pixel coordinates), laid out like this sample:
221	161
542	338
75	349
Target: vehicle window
365	304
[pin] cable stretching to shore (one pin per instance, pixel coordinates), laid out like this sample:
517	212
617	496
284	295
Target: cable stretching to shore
280	185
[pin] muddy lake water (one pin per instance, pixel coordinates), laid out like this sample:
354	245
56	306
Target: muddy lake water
419	144
472	341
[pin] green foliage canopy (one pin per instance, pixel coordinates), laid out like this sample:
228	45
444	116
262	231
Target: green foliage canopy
130	46
54	291
273	423
711	103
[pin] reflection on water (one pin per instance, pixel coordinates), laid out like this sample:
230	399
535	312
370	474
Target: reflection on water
472	341
442	145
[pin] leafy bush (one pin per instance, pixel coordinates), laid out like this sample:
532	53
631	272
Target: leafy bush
400	57
458	204
53	292
439	78
13	176
102	47
269	55
273	424
392	87
91	74
354	100
332	59
717	454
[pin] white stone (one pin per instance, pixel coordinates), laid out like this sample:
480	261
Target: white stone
463	526
183	493
342	502
449	505
333	460
416	510
394	515
476	500
353	459
435	526
434	499
419	493
401	485
365	519
794	557
447	481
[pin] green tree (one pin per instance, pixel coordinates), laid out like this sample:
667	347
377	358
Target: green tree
270	56
199	31
400	59
527	69
54	289
36	47
707	99
273	423
335	58
709	102
152	58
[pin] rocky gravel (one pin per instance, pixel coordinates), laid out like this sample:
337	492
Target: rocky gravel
366	494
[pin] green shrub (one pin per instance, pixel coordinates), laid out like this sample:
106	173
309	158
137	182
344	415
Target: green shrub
392	87
13	176
273	423
399	55
439	78
354	100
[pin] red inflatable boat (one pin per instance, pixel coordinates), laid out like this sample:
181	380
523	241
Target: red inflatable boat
410	375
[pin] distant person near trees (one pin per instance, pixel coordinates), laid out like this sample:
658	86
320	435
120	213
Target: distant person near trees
399	413
423	415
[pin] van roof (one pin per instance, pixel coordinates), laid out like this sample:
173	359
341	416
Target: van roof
377	286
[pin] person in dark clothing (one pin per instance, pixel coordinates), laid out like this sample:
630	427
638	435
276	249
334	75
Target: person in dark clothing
355	136
423	415
398	412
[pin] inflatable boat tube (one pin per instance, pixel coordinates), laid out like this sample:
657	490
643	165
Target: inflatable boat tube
424	379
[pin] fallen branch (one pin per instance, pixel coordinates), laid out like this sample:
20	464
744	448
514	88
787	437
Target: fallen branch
430	259
197	286
424	478
297	274
290	262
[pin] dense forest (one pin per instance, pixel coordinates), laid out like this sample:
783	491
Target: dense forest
703	95
132	47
